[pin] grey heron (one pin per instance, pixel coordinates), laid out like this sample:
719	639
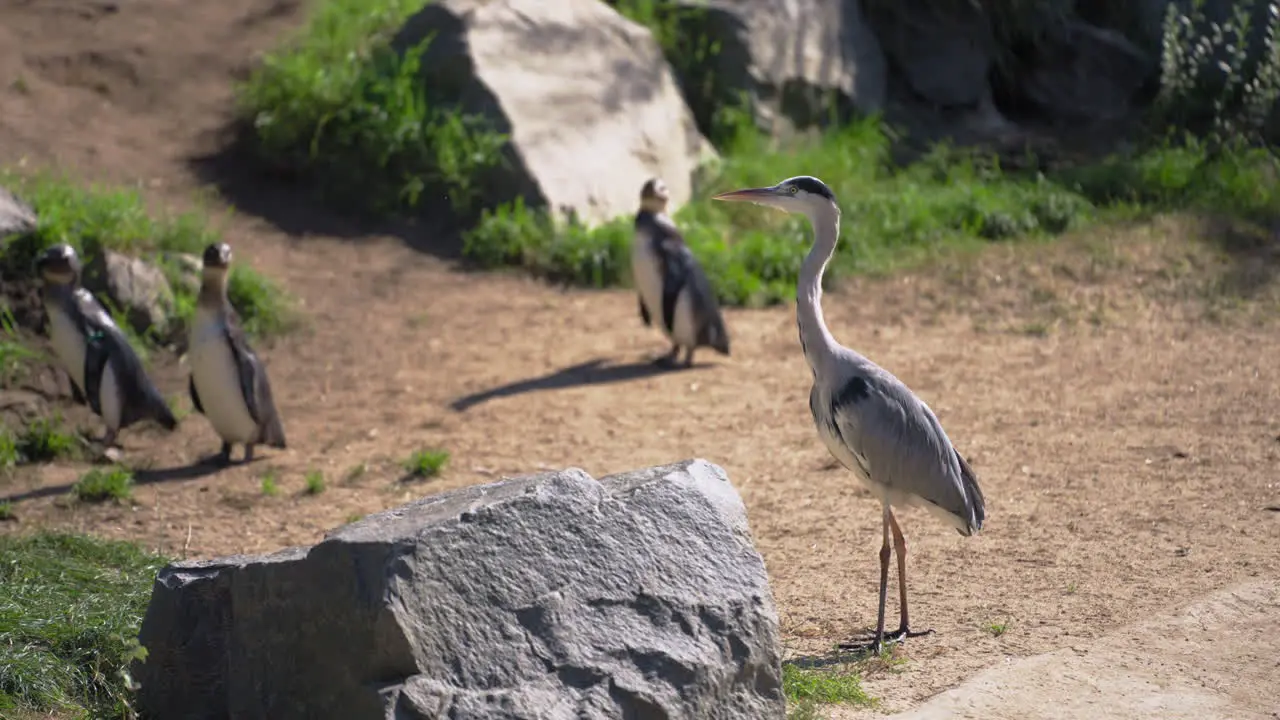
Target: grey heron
671	283
868	419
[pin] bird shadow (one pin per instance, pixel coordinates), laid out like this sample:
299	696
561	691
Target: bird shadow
202	467
830	659
592	372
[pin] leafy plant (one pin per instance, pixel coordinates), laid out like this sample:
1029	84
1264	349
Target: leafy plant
426	463
99	484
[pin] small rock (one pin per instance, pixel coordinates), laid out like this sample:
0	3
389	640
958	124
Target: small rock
137	287
16	216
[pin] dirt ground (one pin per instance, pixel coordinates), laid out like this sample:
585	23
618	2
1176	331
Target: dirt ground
1117	393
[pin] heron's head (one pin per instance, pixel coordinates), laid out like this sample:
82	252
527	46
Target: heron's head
801	194
58	265
654	196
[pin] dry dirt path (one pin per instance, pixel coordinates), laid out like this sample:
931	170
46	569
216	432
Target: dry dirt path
1127	461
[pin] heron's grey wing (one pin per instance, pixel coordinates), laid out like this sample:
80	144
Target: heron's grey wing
903	445
105	340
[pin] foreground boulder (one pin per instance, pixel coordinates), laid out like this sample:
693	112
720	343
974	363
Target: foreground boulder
549	596
588	100
795	60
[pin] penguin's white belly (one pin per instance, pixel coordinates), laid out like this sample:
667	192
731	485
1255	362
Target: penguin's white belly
684	326
69	344
110	397
646	273
217	379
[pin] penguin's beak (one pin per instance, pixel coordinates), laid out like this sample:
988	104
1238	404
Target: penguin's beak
767	196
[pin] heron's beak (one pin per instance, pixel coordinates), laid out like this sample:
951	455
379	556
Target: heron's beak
760	196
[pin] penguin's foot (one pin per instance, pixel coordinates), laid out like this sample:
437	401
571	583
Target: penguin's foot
248	453
688	358
223	458
668	360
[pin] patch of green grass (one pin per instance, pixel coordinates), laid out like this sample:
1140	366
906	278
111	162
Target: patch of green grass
996	629
892	216
6	511
70	607
353	517
270	486
813	686
315	482
14	355
426	463
91	218
343	107
356	472
44	439
101	484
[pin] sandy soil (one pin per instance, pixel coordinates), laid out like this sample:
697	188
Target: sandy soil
1116	393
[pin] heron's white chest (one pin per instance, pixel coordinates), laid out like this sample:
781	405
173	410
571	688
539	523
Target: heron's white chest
217	379
646	274
68	344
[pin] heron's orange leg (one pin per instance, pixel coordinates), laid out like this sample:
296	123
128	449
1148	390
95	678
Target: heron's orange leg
900	548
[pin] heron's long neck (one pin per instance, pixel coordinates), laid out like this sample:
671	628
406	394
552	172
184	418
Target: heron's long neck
815	338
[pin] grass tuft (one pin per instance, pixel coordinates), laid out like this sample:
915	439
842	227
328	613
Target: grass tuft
70	607
815	686
315	482
996	629
43	439
99	485
6	511
94	218
270	486
426	463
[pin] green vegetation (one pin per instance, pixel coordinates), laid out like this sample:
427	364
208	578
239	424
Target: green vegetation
70	608
270	486
806	688
42	440
315	482
342	106
101	484
426	463
996	629
6	511
93	218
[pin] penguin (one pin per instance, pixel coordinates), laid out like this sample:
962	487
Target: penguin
106	373
228	382
670	283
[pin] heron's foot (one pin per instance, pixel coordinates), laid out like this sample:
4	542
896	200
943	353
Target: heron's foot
870	645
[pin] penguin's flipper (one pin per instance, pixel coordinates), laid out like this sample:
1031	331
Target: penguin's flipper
711	328
675	274
195	396
95	362
644	312
255	387
105	342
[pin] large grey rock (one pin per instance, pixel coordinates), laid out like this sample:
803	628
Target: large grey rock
795	60
1084	73
943	50
588	100
137	287
550	596
16	216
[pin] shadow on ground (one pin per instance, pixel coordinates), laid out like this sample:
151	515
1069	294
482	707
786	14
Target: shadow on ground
291	204
592	372
199	469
